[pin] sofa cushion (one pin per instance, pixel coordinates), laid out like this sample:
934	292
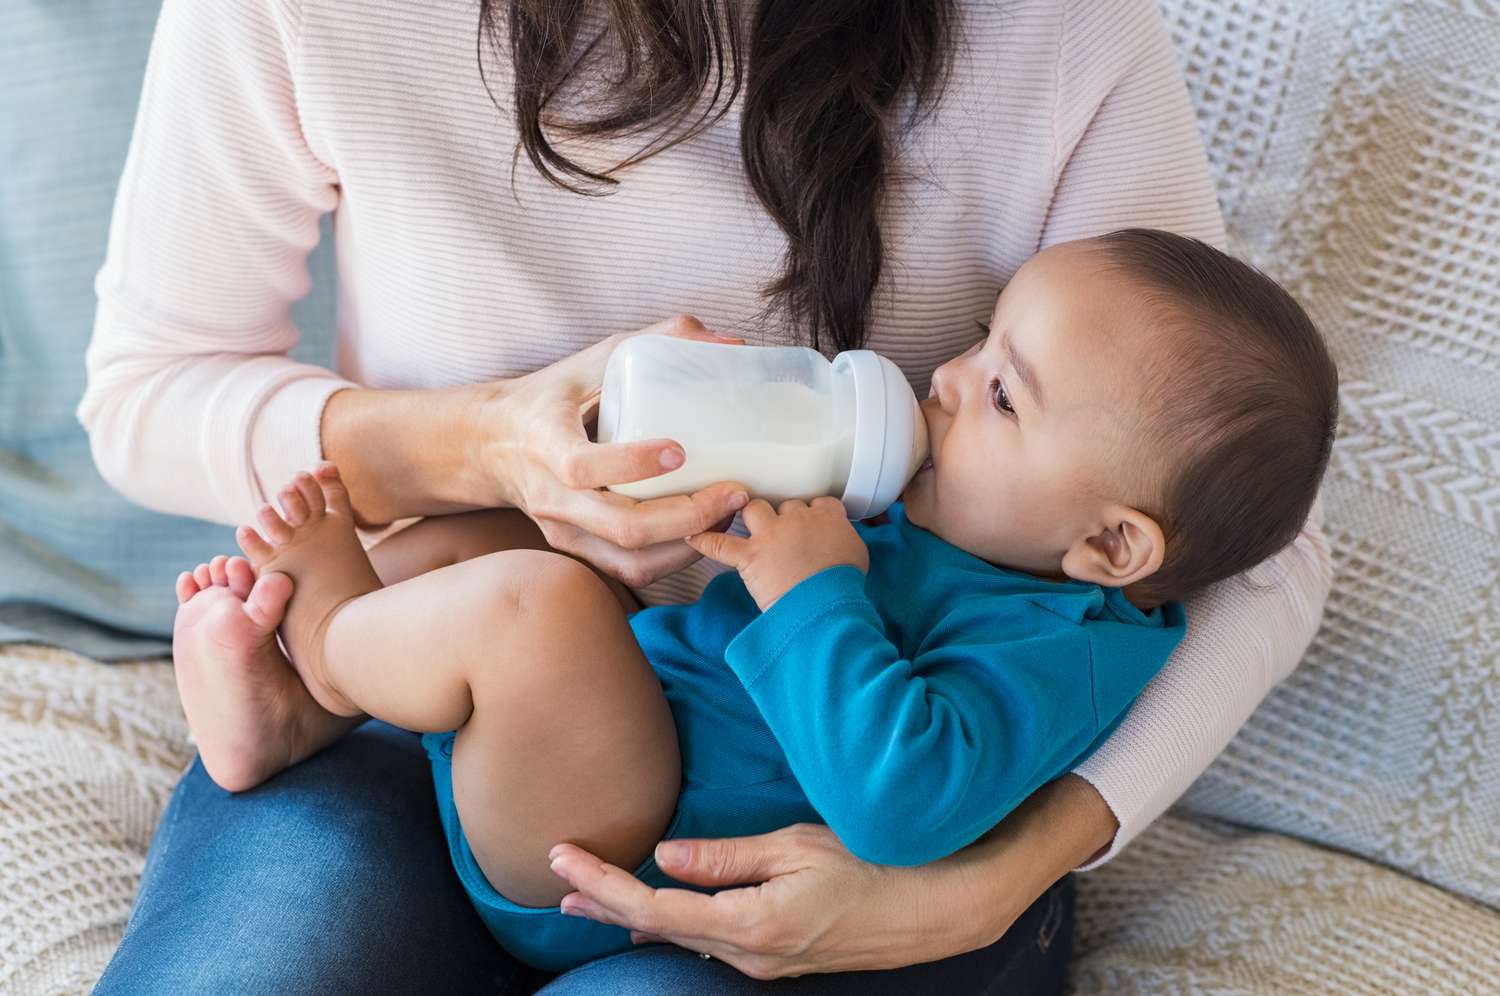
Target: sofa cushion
80	566
92	752
1357	150
1196	906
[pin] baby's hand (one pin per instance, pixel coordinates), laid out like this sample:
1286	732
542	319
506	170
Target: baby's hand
786	545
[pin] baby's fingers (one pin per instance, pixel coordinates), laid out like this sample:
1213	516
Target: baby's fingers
758	515
726	548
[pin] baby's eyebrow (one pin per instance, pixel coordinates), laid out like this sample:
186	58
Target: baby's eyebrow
1023	370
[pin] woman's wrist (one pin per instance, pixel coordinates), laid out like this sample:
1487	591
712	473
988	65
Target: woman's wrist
406	453
1062	825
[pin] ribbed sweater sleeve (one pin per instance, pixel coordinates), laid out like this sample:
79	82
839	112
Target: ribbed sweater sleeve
1129	154
192	405
1245	635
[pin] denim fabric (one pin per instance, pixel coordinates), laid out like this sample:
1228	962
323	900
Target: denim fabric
335	877
80	566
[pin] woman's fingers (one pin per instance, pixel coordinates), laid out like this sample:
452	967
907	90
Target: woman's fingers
633	568
584	465
613	895
736	860
631	524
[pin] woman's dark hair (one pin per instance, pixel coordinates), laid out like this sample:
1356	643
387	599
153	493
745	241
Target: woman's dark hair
822	78
1240	399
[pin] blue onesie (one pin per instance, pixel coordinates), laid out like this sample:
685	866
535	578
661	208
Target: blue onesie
909	709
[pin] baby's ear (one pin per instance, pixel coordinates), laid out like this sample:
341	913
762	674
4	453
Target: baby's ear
1128	546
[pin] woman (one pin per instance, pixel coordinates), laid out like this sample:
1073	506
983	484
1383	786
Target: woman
880	174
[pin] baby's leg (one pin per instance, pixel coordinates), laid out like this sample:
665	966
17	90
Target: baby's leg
248	710
441	540
564	733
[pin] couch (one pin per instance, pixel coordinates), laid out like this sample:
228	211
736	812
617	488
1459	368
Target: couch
1345	841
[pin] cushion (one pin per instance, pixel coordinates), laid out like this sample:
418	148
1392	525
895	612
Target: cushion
80	566
1198	906
1357	151
92	752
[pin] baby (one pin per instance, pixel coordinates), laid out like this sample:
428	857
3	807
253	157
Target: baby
1146	416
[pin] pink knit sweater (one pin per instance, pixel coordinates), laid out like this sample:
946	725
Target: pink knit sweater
1062	120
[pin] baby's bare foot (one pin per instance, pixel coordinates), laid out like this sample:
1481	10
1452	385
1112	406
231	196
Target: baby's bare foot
248	710
314	543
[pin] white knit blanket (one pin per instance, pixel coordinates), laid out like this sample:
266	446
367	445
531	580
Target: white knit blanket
1357	148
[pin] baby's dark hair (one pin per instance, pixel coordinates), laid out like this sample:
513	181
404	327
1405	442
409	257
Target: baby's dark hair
1241	401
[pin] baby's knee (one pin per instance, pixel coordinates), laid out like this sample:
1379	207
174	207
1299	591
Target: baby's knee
540	586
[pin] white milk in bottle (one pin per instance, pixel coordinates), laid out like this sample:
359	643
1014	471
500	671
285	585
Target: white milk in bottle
781	419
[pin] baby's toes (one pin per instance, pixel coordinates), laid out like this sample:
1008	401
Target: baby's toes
334	491
257	549
186	587
201	575
216	570
272	526
267	602
241	576
310	492
293	506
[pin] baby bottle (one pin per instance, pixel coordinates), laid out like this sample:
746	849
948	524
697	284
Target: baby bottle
781	419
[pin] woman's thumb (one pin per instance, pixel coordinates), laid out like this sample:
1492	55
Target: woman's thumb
727	860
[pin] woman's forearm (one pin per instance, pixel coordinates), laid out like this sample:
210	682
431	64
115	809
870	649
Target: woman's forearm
406	453
1246	633
1061	826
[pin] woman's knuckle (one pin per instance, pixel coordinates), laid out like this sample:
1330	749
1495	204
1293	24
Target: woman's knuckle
761	936
628	534
570	469
759	968
808	831
718	859
686	323
635	576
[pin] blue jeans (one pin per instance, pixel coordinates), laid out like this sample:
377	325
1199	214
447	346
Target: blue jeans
334	877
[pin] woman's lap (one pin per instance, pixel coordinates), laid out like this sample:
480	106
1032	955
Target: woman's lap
337	870
1030	960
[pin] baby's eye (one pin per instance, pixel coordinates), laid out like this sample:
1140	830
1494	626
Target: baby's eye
1002	400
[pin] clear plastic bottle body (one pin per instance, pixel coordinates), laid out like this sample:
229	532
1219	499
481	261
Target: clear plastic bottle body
777	419
782	420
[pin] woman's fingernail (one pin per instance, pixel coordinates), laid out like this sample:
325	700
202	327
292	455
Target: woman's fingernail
739	500
671	458
673	852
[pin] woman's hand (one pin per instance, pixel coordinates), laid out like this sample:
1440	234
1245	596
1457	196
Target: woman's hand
524	443
786	545
820	909
817	908
531	436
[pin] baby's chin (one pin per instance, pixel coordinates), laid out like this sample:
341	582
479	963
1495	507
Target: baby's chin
914	503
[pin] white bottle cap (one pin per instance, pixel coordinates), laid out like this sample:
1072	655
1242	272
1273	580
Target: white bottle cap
890	435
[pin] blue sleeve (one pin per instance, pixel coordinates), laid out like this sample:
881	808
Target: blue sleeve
909	761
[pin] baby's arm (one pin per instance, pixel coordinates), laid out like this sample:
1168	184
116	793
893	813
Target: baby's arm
909	761
906	761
